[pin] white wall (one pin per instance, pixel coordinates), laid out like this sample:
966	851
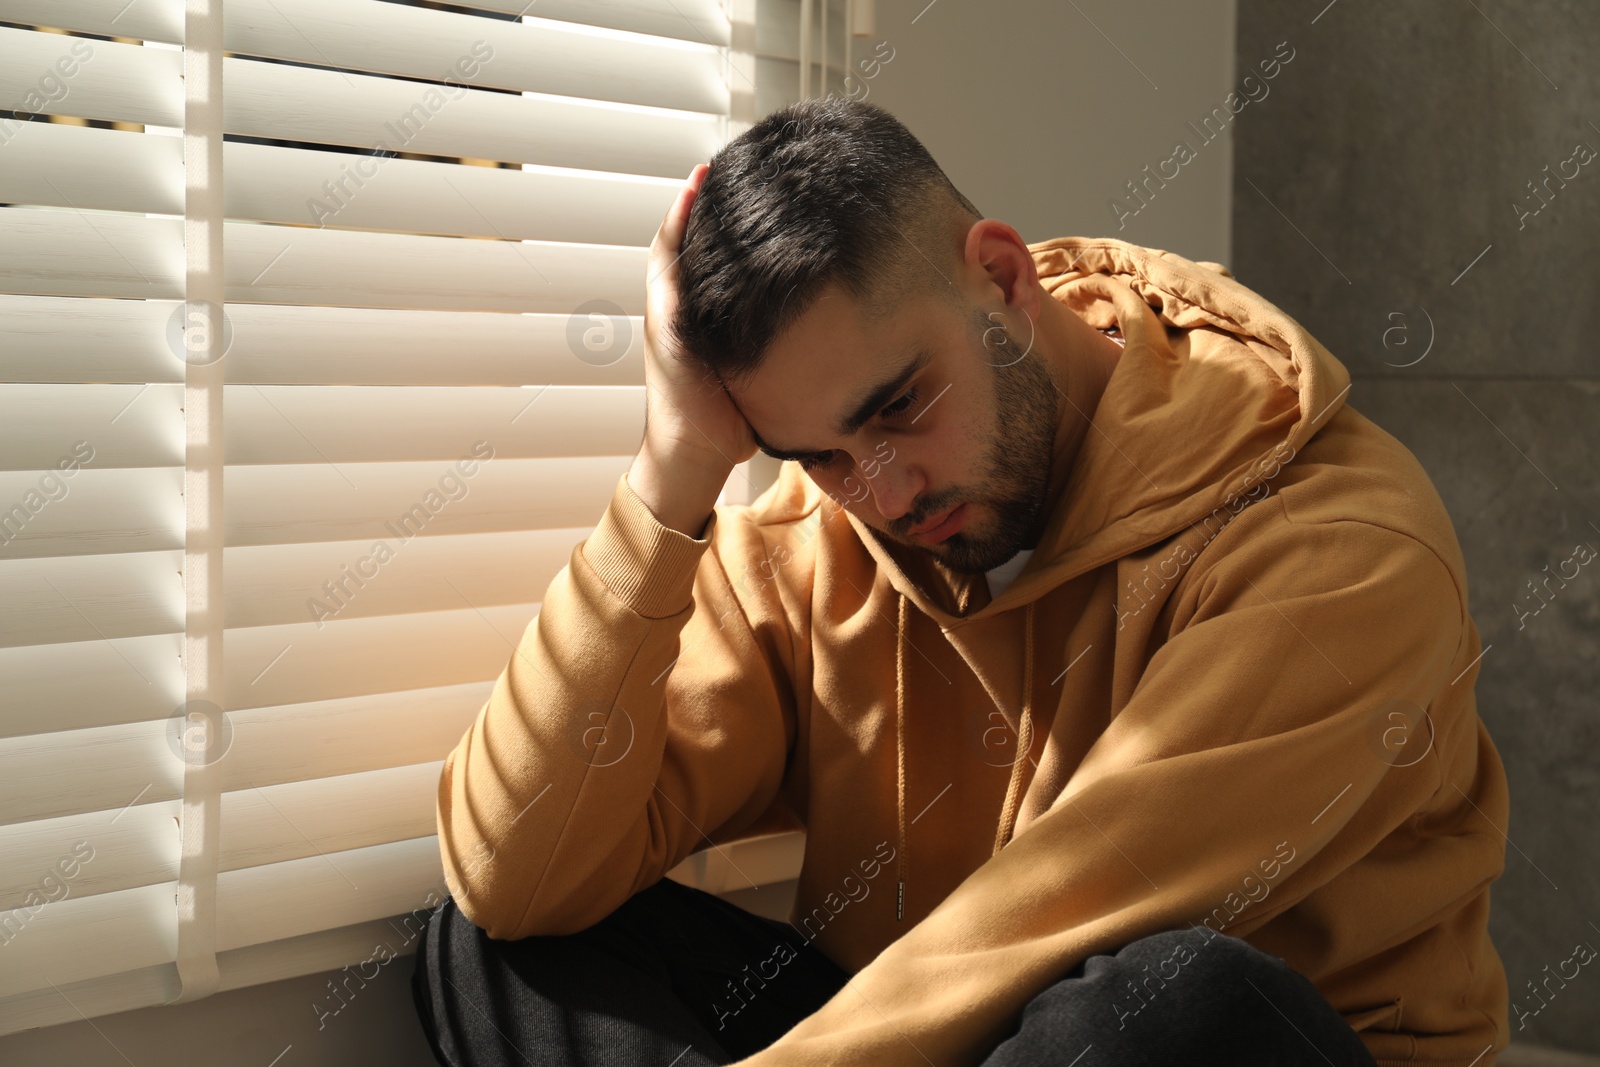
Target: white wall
1041	111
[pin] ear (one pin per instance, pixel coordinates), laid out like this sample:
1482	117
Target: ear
997	260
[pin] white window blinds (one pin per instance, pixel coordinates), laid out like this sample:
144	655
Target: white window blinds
295	429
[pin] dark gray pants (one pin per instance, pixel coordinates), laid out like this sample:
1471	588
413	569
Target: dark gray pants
676	977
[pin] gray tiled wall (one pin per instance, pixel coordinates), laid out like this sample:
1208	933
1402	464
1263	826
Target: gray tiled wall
1381	198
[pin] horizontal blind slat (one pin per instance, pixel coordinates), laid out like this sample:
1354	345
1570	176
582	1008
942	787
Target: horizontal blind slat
100	79
77	938
260	904
291	103
305	345
148	20
539	55
361	733
49	252
325	950
51	775
296	663
373	424
357	501
82	855
269	585
80	339
46	252
295	265
120	426
691	20
85	598
105	511
140	988
327	816
59	165
90	683
273	183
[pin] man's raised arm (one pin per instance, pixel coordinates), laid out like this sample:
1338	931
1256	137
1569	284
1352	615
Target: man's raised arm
574	788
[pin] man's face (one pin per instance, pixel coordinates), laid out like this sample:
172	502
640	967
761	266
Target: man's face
971	424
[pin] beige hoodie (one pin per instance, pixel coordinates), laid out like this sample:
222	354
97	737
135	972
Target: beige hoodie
1233	686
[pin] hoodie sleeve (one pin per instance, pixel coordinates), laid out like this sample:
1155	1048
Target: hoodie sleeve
641	717
1247	768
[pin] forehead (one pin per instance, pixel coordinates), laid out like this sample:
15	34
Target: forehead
824	365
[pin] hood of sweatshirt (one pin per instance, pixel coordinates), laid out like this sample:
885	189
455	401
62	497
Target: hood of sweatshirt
1177	434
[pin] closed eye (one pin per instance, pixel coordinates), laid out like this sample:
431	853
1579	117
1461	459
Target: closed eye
895	410
901	406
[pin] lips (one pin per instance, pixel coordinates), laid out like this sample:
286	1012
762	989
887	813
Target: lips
932	522
941	527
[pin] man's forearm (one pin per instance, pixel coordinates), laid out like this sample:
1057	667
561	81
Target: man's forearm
680	492
523	815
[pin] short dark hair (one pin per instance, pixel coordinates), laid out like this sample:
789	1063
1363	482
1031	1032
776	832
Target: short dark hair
819	192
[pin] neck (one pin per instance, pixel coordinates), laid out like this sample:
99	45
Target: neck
1081	360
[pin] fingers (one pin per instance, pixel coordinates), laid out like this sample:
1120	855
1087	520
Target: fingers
696	178
676	221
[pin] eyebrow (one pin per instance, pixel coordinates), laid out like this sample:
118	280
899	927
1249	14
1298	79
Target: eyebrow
867	404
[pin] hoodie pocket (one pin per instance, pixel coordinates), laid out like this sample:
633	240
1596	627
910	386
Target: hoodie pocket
1384	1017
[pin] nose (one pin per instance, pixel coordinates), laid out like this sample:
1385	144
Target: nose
894	486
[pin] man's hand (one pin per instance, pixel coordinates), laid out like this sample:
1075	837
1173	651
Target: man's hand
693	433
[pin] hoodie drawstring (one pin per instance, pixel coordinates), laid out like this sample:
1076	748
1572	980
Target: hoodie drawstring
1008	811
900	756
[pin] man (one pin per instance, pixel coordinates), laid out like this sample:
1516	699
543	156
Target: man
1119	672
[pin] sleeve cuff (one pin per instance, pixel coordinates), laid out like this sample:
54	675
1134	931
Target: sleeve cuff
648	566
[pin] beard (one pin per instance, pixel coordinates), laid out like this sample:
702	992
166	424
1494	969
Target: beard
1016	464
